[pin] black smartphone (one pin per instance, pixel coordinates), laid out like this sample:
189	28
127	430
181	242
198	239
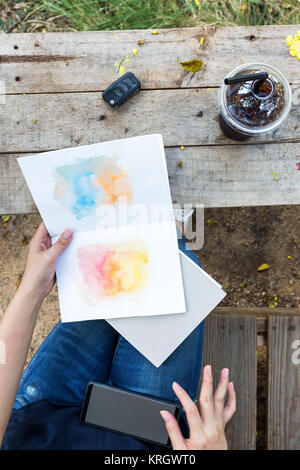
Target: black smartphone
132	414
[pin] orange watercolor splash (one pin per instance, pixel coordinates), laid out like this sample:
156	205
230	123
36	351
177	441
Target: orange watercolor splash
114	269
115	182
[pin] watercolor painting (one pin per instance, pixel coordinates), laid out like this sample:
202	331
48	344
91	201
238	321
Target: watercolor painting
84	186
111	270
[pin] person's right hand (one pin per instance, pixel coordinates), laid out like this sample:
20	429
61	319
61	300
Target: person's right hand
207	428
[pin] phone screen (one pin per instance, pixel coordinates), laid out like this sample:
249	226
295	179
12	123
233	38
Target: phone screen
128	413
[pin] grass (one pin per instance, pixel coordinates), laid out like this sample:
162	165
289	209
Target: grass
81	15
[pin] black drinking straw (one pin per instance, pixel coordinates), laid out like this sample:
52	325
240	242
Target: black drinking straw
246	78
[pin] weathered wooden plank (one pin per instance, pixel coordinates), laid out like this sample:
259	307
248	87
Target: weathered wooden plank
85	61
264	312
224	176
231	342
239	175
284	383
69	119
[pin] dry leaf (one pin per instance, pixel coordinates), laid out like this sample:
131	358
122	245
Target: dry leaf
19	279
24	241
192	65
141	42
5	218
263	267
209	222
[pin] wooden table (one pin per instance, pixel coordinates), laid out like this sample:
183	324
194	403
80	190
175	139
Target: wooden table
53	99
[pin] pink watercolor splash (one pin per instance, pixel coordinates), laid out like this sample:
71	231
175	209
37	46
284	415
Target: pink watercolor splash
113	269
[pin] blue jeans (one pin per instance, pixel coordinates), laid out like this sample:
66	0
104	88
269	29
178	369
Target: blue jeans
74	353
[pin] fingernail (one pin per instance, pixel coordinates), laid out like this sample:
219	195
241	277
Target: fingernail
225	373
231	385
165	416
208	371
176	387
67	234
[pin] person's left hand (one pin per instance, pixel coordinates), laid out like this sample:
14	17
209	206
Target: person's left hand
39	276
207	428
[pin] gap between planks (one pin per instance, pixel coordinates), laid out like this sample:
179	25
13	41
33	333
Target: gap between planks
262	314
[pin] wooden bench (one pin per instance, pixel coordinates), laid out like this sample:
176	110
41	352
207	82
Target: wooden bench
230	341
53	84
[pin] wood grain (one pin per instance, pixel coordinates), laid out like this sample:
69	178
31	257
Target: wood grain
284	383
85	61
41	122
231	342
223	176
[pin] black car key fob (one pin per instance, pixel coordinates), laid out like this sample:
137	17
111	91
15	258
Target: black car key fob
122	89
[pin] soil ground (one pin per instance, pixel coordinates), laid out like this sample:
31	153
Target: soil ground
237	241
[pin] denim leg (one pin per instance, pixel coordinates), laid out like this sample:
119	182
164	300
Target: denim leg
132	371
70	356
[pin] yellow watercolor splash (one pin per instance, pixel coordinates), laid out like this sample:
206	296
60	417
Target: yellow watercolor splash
113	269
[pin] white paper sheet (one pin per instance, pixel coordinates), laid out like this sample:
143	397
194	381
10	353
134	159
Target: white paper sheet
157	337
137	165
100	191
151	282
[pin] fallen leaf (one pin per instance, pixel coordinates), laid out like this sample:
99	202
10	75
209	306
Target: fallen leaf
201	41
275	177
182	147
192	66
134	51
5	218
19	279
24	241
141	42
154	32
263	267
209	222
34	119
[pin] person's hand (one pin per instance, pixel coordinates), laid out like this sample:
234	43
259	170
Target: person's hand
39	276
207	428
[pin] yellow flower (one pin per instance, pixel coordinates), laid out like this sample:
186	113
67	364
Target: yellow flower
263	267
294	44
244	7
122	70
